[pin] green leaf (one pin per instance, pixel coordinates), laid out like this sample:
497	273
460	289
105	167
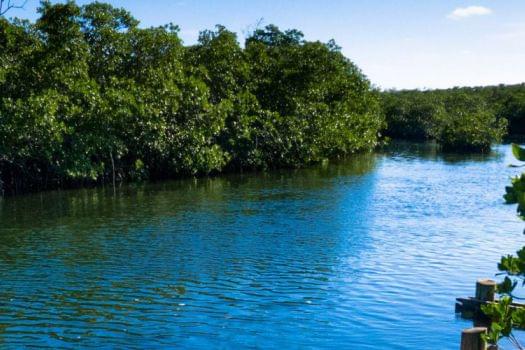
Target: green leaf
518	152
507	286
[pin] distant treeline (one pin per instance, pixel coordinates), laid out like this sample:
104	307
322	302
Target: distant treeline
86	96
459	118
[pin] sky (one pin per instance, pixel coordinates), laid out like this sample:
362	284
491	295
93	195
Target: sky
397	43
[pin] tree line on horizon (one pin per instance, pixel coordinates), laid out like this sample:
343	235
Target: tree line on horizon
461	118
87	96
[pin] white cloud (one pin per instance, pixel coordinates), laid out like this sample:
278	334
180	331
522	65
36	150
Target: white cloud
465	12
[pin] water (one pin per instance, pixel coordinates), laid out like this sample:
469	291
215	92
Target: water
369	253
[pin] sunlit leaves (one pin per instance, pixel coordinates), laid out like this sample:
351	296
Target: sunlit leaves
501	314
88	95
518	152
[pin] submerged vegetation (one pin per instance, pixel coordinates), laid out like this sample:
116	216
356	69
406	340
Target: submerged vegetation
88	96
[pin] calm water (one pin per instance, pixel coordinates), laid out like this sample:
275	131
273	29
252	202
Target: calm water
366	254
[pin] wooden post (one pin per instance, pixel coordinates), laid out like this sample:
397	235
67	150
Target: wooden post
471	339
485	290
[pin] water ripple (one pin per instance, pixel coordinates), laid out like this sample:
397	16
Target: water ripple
355	254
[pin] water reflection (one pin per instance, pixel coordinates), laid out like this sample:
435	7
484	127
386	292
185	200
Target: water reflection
318	257
431	151
82	267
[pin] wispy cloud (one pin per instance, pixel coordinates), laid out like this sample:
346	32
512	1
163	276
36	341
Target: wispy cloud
466	12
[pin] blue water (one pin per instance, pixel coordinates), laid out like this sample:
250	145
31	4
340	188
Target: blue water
369	253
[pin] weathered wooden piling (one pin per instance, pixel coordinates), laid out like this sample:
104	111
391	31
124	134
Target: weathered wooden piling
471	307
486	290
471	339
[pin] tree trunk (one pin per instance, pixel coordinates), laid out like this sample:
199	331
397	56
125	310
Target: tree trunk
113	171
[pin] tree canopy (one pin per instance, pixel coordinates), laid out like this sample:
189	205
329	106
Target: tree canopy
88	95
458	118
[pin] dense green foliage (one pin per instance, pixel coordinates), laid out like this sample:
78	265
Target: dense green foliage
88	96
505	318
476	117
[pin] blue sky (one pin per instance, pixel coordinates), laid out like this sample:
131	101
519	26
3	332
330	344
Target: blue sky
397	43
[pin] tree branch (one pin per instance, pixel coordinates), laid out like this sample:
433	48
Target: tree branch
6	5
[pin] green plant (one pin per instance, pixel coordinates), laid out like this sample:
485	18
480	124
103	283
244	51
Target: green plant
516	192
503	315
504	319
